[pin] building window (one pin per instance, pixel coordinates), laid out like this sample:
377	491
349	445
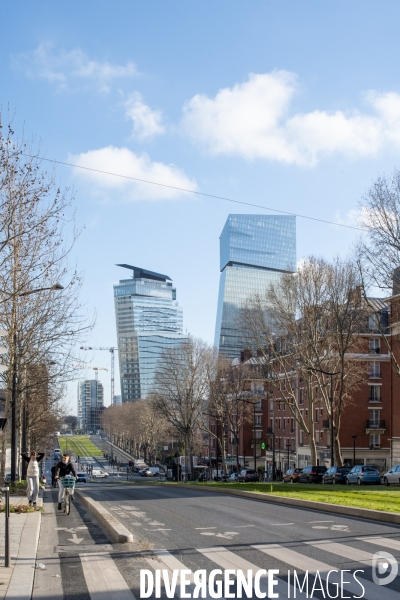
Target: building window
375	440
375	346
271	406
258	434
257	421
258	404
301	396
374	393
374	418
316	415
374	369
373	322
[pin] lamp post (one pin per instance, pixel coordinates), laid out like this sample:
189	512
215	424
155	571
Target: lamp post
54	287
217	440
331	401
288	456
354	449
254	430
272	432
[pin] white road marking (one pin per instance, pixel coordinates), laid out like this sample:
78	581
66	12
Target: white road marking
172	563
345	551
228	560
205	528
242	526
321	521
280	524
158	529
103	578
381	541
305	563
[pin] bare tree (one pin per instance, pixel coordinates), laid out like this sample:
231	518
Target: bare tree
379	249
305	324
44	325
228	404
181	388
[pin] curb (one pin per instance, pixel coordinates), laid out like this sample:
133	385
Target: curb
350	511
118	532
22	579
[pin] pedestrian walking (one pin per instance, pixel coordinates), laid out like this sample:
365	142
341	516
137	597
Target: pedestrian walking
32	473
53	475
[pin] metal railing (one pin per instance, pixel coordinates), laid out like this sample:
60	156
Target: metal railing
376	424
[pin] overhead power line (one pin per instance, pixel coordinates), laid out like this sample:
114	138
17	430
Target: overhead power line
204	194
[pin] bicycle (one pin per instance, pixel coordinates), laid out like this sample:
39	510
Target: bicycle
68	484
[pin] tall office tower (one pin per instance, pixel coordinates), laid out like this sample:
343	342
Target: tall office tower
254	252
90	404
148	320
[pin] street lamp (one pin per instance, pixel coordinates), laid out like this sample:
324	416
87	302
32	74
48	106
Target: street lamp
271	431
354	449
54	287
331	401
288	457
217	440
254	430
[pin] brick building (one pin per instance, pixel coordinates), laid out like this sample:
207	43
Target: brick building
370	420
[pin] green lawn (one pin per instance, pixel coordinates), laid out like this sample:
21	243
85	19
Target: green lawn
373	497
79	445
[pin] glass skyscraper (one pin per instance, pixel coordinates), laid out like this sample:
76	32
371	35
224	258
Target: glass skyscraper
254	252
148	320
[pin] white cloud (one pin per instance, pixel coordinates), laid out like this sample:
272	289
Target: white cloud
123	161
147	123
71	68
252	120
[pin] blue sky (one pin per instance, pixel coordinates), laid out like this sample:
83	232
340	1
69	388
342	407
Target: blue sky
293	105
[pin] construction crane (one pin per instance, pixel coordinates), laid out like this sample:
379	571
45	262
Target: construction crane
112	351
95	369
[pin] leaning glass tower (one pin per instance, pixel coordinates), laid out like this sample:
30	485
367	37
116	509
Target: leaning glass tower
148	320
255	250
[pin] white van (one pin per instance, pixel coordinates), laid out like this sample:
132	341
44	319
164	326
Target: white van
154	470
99	473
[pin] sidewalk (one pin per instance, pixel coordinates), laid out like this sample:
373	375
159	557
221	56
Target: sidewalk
16	581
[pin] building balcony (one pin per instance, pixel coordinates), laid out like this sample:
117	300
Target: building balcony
375	426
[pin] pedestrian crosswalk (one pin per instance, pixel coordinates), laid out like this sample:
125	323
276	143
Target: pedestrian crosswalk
323	560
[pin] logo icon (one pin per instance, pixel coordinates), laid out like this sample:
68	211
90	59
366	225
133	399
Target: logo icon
384	563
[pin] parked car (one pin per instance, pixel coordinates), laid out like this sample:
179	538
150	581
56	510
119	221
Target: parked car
233	477
150	472
248	475
99	473
139	465
392	477
291	476
336	475
311	474
81	478
364	474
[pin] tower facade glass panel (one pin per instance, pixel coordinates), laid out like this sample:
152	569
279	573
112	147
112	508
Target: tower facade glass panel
148	321
255	250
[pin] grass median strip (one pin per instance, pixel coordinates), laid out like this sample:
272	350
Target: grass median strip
372	497
80	445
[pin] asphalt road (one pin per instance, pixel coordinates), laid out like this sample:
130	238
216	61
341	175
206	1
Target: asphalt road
186	522
189	529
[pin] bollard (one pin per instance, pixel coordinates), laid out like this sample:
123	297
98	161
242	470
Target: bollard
6	490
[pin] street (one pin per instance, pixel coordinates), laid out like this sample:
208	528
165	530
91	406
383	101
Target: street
180	528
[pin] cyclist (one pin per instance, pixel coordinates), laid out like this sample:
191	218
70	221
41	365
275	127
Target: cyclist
65	467
53	475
